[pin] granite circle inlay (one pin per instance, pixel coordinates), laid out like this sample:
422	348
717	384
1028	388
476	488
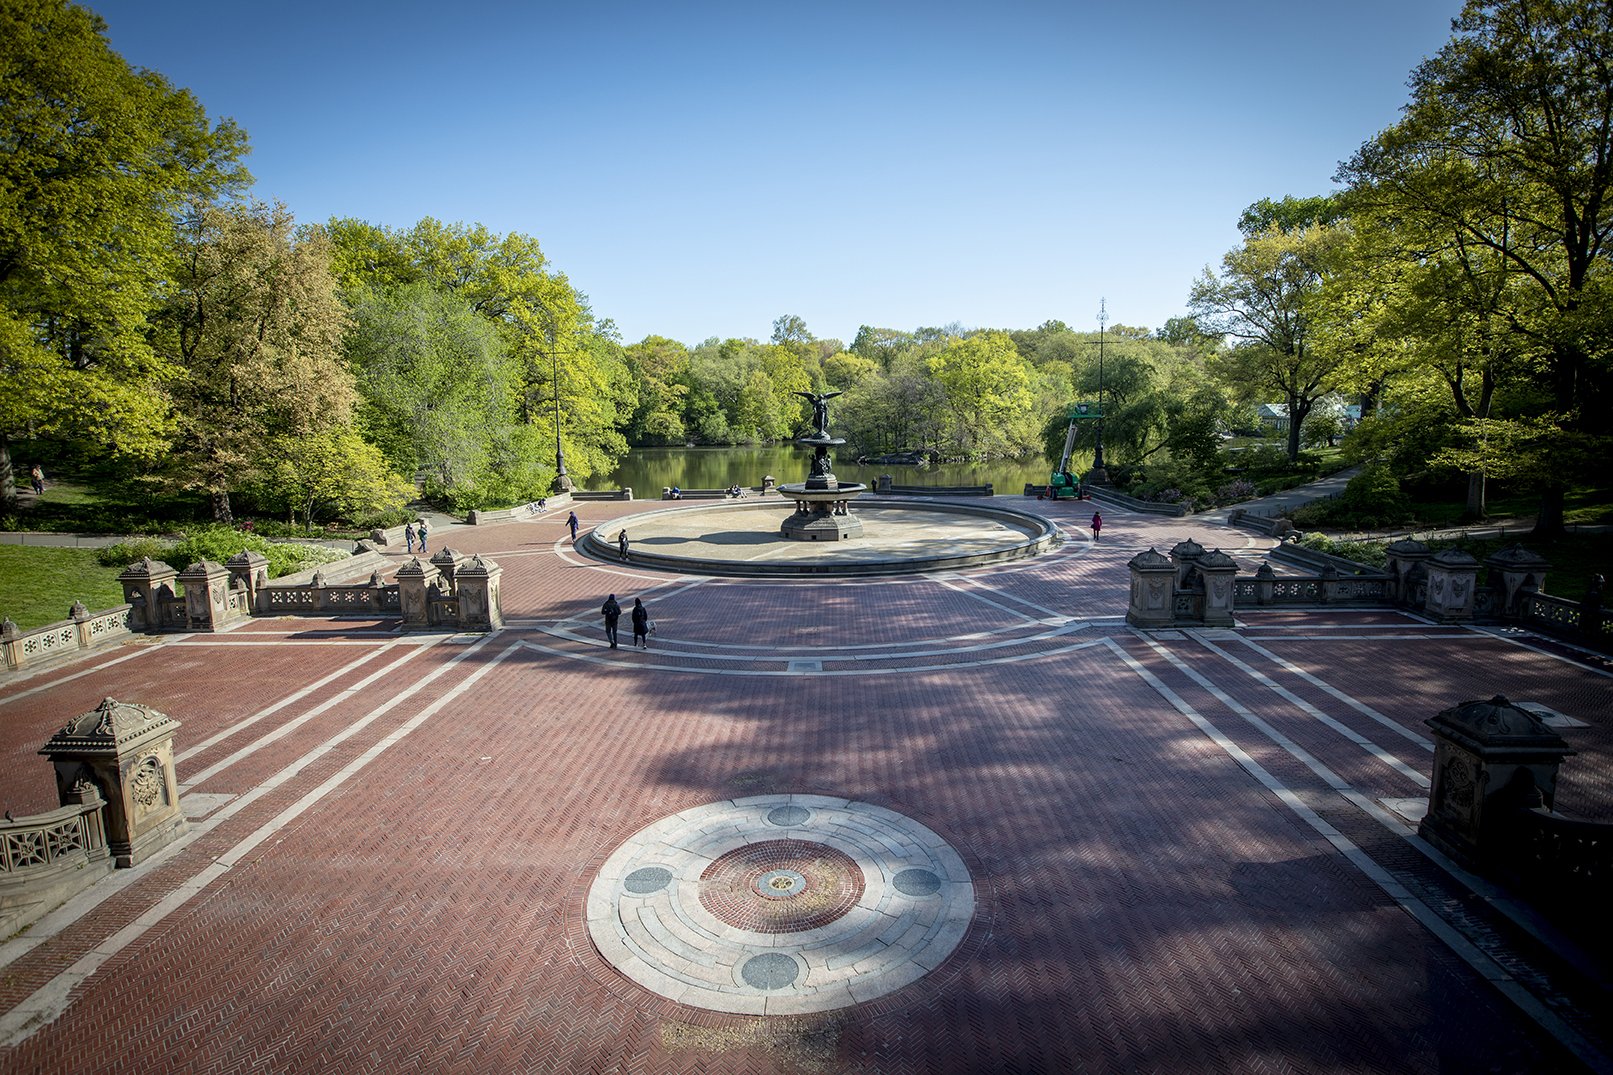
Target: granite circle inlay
917	883
712	908
769	971
786	816
649	879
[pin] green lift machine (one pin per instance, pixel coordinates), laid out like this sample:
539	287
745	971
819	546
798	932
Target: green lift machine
1064	485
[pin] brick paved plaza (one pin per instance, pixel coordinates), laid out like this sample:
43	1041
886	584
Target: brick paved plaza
1184	851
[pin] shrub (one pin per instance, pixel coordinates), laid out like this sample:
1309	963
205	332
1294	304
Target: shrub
219	543
1234	491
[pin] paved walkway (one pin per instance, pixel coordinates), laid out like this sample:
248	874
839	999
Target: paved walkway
1185	851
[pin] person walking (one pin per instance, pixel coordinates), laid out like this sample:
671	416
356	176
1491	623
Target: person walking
641	624
408	538
36	477
612	612
571	521
1097	526
421	527
621	545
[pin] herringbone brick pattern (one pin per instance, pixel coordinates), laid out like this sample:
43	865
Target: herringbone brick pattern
410	841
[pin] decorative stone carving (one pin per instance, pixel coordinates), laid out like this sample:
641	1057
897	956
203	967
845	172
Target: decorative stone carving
249	571
1185	556
1152	590
126	752
1516	572
1491	758
207	588
1452	577
415	583
1218	570
479	604
143	586
1406	565
447	562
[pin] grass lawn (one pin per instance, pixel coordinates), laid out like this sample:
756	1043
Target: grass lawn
38	584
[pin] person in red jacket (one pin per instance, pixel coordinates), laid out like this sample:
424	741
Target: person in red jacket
1097	525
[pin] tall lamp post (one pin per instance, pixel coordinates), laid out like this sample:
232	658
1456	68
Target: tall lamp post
1099	474
562	481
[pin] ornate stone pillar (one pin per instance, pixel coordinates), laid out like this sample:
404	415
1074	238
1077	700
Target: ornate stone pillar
127	752
447	562
207	587
1185	555
11	643
1405	557
1453	575
1218	571
1329	577
142	582
479	605
1516	572
249	571
1489	760
1153	595
415	583
1265	583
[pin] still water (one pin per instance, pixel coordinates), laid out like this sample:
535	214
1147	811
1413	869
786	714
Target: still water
649	470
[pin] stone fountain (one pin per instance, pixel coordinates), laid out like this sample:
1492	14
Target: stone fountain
822	502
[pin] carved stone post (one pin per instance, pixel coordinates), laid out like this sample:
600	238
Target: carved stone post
141	585
1516	572
207	587
1153	594
1489	760
127	752
1185	555
415	583
81	623
479	605
1329	577
1405	557
249	571
1218	571
447	561
1265	583
11	643
1453	575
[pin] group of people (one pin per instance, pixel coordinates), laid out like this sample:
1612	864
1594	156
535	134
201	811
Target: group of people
735	492
643	627
414	532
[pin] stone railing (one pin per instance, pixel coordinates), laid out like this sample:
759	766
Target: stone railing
605	494
1266	589
1565	856
46	858
1107	495
478	517
316	598
84	630
1272	526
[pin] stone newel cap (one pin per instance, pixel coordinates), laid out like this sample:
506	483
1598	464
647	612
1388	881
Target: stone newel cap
1497	723
1407	547
113	727
478	566
1215	558
1517	558
1149	559
1187	550
146	568
1453	559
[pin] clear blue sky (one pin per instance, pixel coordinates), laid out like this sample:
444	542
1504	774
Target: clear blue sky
699	169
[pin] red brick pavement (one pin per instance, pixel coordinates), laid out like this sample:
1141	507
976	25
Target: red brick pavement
1143	903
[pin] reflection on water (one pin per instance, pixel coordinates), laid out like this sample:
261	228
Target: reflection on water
649	470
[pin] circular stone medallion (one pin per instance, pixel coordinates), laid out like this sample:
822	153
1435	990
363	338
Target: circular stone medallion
711	908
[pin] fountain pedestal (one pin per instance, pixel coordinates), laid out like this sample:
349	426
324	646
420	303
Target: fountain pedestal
822	502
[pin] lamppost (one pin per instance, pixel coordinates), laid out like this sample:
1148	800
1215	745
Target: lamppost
562	481
1100	475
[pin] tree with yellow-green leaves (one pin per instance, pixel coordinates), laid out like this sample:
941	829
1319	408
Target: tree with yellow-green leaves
253	328
96	161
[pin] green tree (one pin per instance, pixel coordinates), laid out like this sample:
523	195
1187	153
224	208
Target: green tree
660	369
331	472
254	324
96	159
1507	143
1267	298
988	390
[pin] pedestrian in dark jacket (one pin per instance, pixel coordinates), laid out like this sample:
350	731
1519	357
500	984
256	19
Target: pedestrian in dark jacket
612	612
641	624
408	538
1097	525
421	528
621	545
571	521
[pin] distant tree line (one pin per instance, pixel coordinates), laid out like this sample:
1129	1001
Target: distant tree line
154	318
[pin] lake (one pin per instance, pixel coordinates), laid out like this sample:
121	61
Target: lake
649	470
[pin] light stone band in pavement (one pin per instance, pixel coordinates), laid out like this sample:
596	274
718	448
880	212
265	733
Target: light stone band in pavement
647	918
